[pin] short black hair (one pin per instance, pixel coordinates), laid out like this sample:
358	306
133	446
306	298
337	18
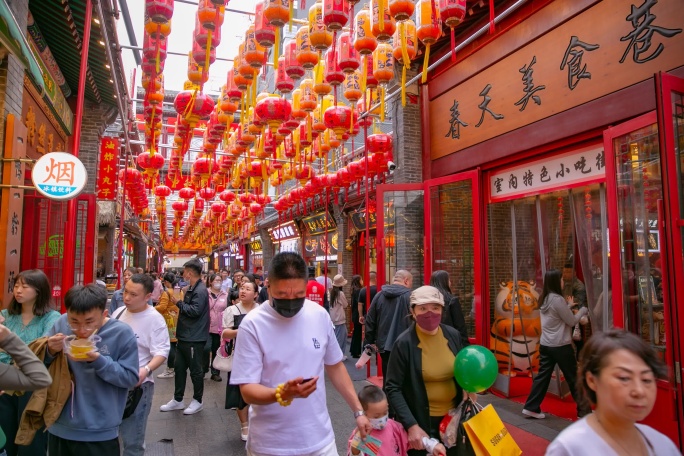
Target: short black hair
371	394
602	344
287	265
194	265
36	279
81	299
144	280
234	294
170	277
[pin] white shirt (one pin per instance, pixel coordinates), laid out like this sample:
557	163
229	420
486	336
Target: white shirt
151	333
322	281
273	349
227	284
580	439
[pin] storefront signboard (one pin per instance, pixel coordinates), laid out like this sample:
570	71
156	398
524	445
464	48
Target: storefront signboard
291	245
106	175
59	176
545	175
284	232
321	245
316	224
255	245
44	133
612	45
358	219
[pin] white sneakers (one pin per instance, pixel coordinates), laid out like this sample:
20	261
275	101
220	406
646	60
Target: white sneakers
193	408
531	414
173	404
168	373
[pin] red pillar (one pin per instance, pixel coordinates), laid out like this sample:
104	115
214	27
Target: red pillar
72	206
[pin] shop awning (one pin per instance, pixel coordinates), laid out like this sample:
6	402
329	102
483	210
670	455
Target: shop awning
15	42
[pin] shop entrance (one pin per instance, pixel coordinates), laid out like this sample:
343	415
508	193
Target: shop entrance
645	185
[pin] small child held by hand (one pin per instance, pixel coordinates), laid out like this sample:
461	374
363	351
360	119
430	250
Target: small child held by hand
388	438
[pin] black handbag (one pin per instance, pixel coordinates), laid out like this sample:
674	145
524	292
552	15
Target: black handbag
132	400
134	395
463	445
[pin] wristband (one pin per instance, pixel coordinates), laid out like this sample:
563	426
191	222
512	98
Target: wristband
149	372
279	396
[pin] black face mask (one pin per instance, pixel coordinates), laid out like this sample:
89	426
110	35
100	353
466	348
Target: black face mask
288	308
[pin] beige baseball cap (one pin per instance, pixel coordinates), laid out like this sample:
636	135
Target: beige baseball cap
426	295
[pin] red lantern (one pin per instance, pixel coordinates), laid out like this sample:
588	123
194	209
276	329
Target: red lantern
227	196
149	161
180	206
162	191
338	118
293	68
283	83
218	208
206	194
347	58
264	32
379	143
452	13
186	193
159	11
273	110
333	74
401	10
255	208
335	14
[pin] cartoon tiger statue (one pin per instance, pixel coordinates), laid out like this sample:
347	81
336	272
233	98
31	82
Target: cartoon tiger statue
510	334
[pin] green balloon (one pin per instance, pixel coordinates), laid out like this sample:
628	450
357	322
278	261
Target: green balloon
475	368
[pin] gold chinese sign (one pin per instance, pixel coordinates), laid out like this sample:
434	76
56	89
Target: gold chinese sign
106	175
43	133
612	45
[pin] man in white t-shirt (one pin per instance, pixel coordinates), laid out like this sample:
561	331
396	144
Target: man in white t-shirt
284	348
153	348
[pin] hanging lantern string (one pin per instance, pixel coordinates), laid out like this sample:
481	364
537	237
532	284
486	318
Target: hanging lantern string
481	31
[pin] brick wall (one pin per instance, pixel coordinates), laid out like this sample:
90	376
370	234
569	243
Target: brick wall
267	247
408	146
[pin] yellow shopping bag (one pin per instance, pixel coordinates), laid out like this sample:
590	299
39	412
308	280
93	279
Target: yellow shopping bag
489	436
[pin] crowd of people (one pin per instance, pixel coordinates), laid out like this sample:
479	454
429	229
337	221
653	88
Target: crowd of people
82	382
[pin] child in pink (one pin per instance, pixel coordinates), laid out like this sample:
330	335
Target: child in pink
392	437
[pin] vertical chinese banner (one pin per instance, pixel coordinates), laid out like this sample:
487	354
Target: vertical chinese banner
12	209
106	175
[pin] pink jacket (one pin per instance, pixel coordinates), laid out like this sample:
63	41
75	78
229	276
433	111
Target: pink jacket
216	307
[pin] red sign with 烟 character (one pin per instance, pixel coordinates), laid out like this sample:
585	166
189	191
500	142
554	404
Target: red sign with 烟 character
106	174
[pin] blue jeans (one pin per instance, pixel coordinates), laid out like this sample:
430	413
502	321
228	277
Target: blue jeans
132	429
341	336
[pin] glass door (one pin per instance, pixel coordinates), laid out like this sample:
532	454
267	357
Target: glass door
454	242
635	174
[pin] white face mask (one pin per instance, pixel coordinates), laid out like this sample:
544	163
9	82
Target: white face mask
379	423
216	286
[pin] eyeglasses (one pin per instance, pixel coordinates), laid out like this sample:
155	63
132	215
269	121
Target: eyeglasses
75	328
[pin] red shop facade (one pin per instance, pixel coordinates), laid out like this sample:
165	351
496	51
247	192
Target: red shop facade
555	144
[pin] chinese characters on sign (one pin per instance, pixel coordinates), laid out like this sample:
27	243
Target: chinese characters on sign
316	223
542	175
106	176
59	176
358	219
255	245
577	59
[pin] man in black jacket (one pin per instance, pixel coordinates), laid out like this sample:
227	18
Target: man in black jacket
192	332
388	315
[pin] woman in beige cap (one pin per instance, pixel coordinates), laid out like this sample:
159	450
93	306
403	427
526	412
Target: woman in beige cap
338	311
420	382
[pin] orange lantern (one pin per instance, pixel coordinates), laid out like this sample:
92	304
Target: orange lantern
382	24
319	36
277	12
347	58
383	71
335	16
245	69
297	112
401	10
321	86
308	99
255	53
352	87
404	50
293	68
210	14
195	73
306	55
364	40
157	29
428	29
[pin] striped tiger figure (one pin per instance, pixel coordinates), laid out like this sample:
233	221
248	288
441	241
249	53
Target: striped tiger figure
512	336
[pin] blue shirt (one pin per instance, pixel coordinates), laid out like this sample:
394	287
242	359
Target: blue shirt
116	301
37	328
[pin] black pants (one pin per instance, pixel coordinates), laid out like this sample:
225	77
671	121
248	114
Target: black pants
384	357
58	446
210	348
548	358
189	355
357	335
171	360
11	408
